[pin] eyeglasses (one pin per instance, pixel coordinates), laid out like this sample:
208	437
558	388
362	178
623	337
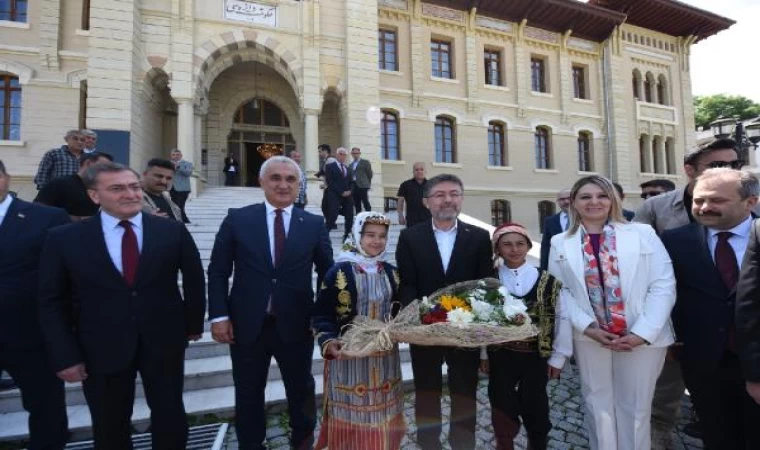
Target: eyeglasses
735	164
443	195
646	195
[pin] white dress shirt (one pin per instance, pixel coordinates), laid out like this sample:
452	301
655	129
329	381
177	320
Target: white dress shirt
738	240
563	220
354	165
4	205
113	233
445	240
519	282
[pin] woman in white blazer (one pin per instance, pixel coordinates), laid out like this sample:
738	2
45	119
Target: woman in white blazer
622	286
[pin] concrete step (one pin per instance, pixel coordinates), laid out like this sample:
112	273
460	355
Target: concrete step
219	401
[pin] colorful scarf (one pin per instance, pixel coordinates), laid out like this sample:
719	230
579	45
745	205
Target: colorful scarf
603	285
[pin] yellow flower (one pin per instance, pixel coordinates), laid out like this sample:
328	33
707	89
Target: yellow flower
450	302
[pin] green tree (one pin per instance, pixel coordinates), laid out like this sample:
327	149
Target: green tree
709	107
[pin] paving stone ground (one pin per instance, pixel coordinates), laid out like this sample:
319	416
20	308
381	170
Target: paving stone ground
566	413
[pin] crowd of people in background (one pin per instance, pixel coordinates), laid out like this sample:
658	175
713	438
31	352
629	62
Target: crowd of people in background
647	304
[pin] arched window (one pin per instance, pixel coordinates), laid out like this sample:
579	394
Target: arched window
670	156
445	140
662	90
497	152
389	136
585	156
644	154
501	212
636	84
648	86
542	144
10	108
546	208
261	112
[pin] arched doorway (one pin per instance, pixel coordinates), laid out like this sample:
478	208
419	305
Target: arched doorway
260	130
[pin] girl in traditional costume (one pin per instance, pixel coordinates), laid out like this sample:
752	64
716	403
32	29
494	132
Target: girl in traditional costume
363	397
519	371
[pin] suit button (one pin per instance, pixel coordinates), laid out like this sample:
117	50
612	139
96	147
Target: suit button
134	293
721	329
274	280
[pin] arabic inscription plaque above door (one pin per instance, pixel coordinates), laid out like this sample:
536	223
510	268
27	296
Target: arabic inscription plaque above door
251	12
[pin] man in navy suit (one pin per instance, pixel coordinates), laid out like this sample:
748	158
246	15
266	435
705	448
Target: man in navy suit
707	256
23	227
339	187
272	249
554	225
110	307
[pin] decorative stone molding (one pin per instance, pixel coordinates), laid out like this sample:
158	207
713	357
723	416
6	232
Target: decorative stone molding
541	35
581	44
494	24
394	106
75	77
535	123
443	111
588	128
23	72
487	118
397	4
442	13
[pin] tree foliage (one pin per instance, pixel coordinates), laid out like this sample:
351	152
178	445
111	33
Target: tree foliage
709	107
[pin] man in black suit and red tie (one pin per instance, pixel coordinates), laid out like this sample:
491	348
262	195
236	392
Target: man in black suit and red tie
707	256
432	255
23	227
110	307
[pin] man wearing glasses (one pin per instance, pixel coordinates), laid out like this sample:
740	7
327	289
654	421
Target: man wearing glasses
653	188
664	212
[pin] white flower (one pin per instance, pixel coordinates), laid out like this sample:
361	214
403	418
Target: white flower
513	307
482	310
505	293
459	317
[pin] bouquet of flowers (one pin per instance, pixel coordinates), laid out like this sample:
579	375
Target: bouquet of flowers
470	314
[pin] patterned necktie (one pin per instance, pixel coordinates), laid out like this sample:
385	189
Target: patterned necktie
130	252
725	261
343	170
279	236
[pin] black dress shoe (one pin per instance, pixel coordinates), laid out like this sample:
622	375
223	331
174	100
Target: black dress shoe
7	385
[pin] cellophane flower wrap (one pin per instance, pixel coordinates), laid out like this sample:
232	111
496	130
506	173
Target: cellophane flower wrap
469	314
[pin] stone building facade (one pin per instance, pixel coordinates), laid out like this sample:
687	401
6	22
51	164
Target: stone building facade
518	97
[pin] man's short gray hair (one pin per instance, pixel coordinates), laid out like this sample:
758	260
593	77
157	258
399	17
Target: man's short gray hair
341	151
90	177
72	133
90	133
749	186
278	159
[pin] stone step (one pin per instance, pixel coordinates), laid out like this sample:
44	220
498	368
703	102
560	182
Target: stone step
219	401
201	373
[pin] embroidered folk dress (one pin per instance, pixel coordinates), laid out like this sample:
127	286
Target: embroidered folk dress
363	397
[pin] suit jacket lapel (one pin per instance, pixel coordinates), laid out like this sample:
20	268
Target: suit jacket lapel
431	243
99	248
294	231
261	221
706	260
574	253
15	220
148	244
460	243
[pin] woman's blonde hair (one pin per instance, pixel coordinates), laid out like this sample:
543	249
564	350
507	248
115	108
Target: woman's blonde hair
616	209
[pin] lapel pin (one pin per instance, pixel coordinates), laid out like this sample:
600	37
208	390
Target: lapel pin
300	219
21	216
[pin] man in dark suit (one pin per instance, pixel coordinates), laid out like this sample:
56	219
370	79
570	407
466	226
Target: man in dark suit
361	171
23	227
272	249
554	225
748	315
627	213
706	258
110	307
339	192
231	169
430	256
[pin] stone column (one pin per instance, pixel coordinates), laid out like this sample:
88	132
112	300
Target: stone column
311	141
186	135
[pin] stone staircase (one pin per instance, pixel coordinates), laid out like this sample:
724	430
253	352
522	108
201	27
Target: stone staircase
208	369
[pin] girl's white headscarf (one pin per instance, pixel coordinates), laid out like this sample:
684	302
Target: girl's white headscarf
352	250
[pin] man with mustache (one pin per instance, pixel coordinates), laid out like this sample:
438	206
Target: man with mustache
156	182
707	256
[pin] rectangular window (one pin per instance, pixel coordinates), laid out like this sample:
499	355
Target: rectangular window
579	82
85	14
387	50
543	149
13	10
584	153
492	60
538	74
389	139
496	153
440	59
444	140
10	108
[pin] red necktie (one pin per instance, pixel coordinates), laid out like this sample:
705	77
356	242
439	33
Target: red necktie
725	261
279	236
130	252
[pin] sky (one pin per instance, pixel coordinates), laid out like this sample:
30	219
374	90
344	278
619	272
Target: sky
737	49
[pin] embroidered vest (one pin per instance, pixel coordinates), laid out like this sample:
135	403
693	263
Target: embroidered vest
541	301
